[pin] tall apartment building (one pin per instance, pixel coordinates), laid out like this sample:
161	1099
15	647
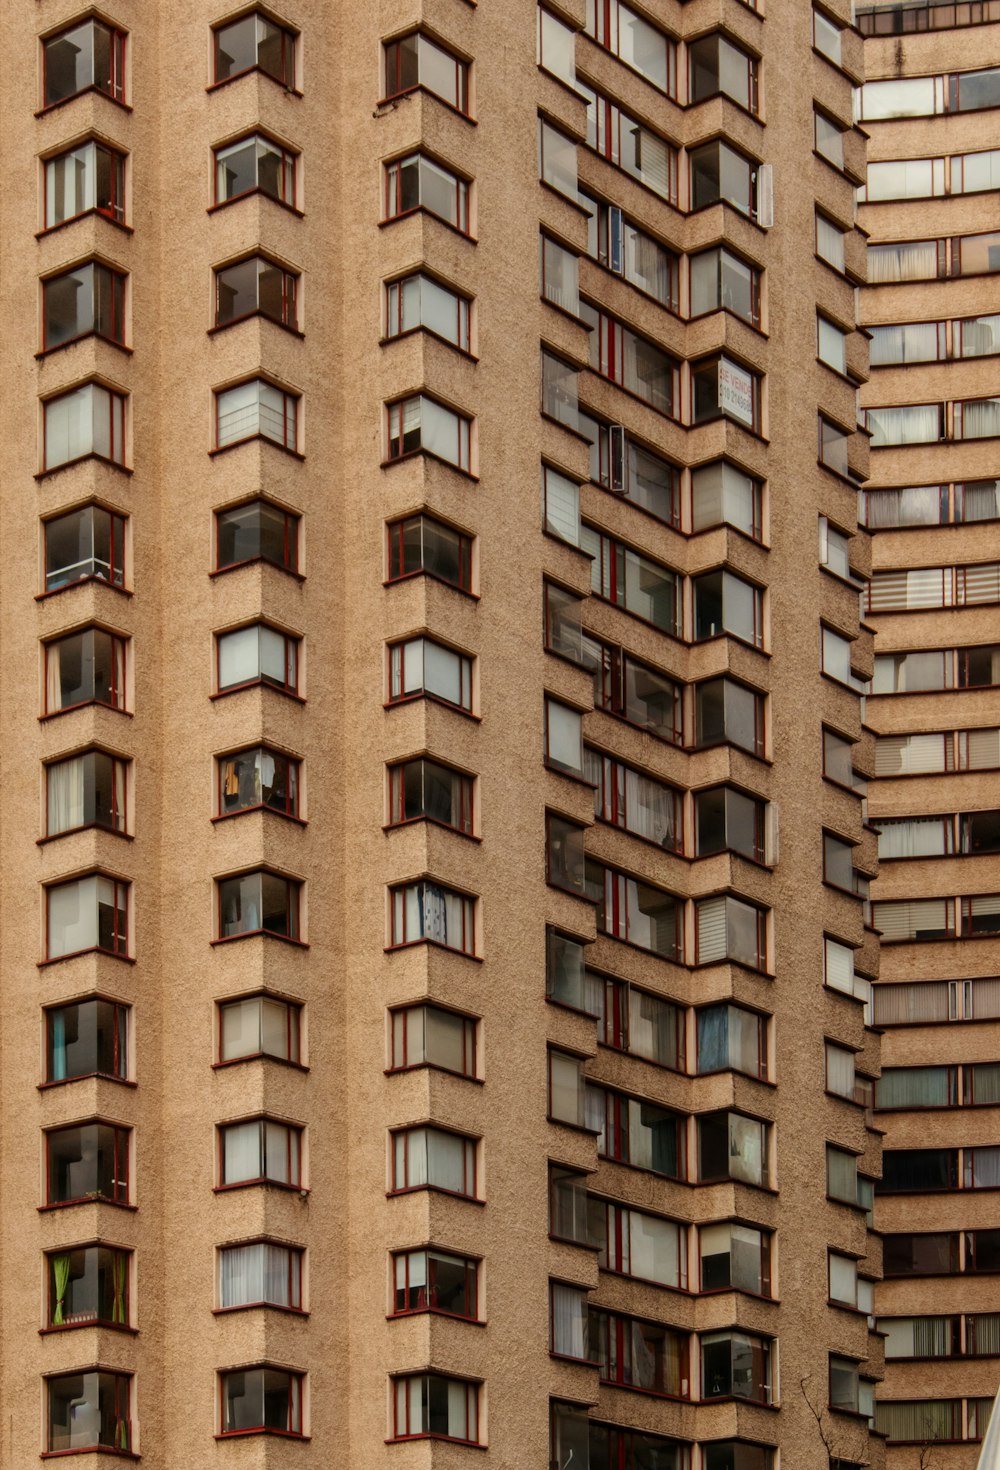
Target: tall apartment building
429	490
931	105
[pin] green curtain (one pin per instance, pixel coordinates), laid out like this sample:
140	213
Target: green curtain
120	1269
60	1279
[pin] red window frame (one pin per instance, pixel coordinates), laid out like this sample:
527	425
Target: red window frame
397	817
429	1289
395	531
616	1247
291	807
614	1352
117	531
119	937
115	209
295	1255
610	670
293	888
117	450
393	185
293	1153
288	39
470	1163
290	562
290	686
608	119
393	71
295	1394
611	798
404	1432
468	937
115	88
606	26
119	816
51	1302
120	1167
397	677
120	1027
396	440
288	186
765	1259
117	280
123	1422
289	292
399	1050
614	908
293	1029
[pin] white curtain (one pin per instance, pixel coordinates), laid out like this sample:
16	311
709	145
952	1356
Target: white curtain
916	505
980	500
557	160
911	423
260	1272
237	412
897	1005
569	1321
899	755
906	342
72	917
982	1168
914	1087
440	431
432	1157
653	1028
913	260
564	731
915	837
565	1088
980	418
839	966
66	791
747	1150
840	1070
829	241
242	1151
239	657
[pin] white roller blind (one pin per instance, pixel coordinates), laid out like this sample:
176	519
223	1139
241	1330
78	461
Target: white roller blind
711	929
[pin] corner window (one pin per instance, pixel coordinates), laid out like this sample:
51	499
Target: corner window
87	1162
730	821
567	980
844	1385
731	1146
831	345
725	603
716	66
255	165
258	903
629	145
559	269
721	280
421	301
260	1151
634	1354
86	1038
423	668
88	178
430	1158
256	410
260	1274
632	361
560	506
569	1099
87	300
87	790
845	1287
417	182
557	160
257	778
259	1026
618	463
564	858
736	1365
256	531
622	247
88	1286
560	400
256	286
563	738
634	1131
632	1243
720	175
427	911
840	1070
421	423
636	912
639	803
727	712
417	61
434	1281
721	386
429	1036
426	789
723	494
834	549
422	543
261	1401
429	1406
735	1258
86	420
835	659
85	914
734	1454
84	544
88	1411
85	56
254	43
838	866
257	655
732	1038
634	692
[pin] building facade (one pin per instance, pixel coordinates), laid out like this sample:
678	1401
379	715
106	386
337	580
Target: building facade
929	105
433	955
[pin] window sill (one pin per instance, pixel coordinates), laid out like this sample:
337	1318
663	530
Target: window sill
670	959
87	827
86	1077
470	1199
92	1322
754	430
126	959
671	308
429	213
738	1398
83	92
276	1433
434	699
424	572
252	438
674	634
289	91
737	316
469	1444
249	316
387	464
82	459
83	582
393	97
248	194
757	755
54	714
436	1312
92	1449
254	561
435	944
299	1189
252	1306
579	779
259	684
671	415
627	1275
70	1204
86	214
434	822
430	1067
258	934
83	337
746	214
260	807
437	337
260	1056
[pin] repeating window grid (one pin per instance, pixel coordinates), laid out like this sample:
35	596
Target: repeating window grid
120	1145
400	1143
401	1043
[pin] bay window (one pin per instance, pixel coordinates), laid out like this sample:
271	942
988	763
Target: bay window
90	54
716	65
428	911
256	285
424	788
88	178
635	582
422	668
430	1158
89	1161
256	410
257	654
429	1036
84	544
260	1274
261	1401
838	966
260	902
567	980
432	1280
416	61
578	1439
835	659
635	692
846	1288
418	300
88	1285
89	299
736	1365
729	928
260	1151
725	603
732	1146
635	41
431	1406
827	37
842	1180
831	344
632	1243
622	247
829	139
722	494
729	713
631	361
844	1385
418	182
86	790
838	866
87	913
88	1411
570	1207
254	42
89	420
256	164
735	1258
721	175
644	1355
260	1026
257	530
636	912
86	1038
728	820
723	387
261	777
569	1101
840	1071
422	543
421	424
723	281
563	738
736	1454
563	629
630	799
732	1038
